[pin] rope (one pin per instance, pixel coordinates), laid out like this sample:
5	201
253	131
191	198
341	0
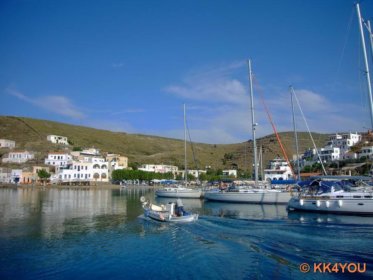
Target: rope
191	143
308	129
274	128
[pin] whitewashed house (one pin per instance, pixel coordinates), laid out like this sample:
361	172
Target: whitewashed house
90	152
117	161
85	154
56	139
16	176
337	148
58	159
230	172
343	141
278	169
5	143
5	175
93	170
366	152
194	173
330	154
18	157
159	168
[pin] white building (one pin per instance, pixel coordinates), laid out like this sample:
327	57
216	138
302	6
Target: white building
56	139
330	154
5	175
338	147
5	143
343	141
278	169
16	176
194	173
159	168
117	161
230	172
58	159
366	152
90	152
18	157
94	170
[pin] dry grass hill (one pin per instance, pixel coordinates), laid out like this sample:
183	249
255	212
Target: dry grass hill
31	134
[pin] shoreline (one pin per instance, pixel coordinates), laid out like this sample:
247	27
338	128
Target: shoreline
100	186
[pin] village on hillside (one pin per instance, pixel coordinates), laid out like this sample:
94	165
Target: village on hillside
345	154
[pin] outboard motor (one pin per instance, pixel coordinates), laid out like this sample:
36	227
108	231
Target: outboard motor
171	208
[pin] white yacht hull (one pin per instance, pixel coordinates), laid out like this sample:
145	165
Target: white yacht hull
332	205
250	197
179	193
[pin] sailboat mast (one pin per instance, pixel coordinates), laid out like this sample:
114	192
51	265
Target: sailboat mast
365	62
185	150
253	124
370	37
295	132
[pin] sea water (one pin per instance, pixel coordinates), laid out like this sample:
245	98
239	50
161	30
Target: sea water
100	234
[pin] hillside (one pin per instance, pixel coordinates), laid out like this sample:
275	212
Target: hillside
31	134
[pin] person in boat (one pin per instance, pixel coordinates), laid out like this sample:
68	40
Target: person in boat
179	209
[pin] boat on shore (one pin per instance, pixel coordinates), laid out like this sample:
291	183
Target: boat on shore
334	194
172	212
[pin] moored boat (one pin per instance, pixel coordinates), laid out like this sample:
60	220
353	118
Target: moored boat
172	212
257	194
334	195
247	195
178	192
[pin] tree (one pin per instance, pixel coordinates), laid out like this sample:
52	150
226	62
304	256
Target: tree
134	165
43	175
126	174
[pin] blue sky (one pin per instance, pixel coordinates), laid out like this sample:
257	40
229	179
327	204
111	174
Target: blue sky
131	65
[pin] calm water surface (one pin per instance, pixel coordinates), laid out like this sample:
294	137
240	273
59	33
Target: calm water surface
97	234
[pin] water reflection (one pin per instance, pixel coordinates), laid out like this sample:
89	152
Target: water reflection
61	212
56	212
245	211
323	218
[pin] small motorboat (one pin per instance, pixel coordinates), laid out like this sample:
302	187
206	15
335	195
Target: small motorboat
172	212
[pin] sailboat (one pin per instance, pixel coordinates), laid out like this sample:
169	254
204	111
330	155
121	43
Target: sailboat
180	191
331	194
245	194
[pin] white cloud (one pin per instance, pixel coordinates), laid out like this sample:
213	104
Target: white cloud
224	107
56	104
212	85
117	65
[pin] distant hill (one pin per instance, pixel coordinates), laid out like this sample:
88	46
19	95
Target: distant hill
31	134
